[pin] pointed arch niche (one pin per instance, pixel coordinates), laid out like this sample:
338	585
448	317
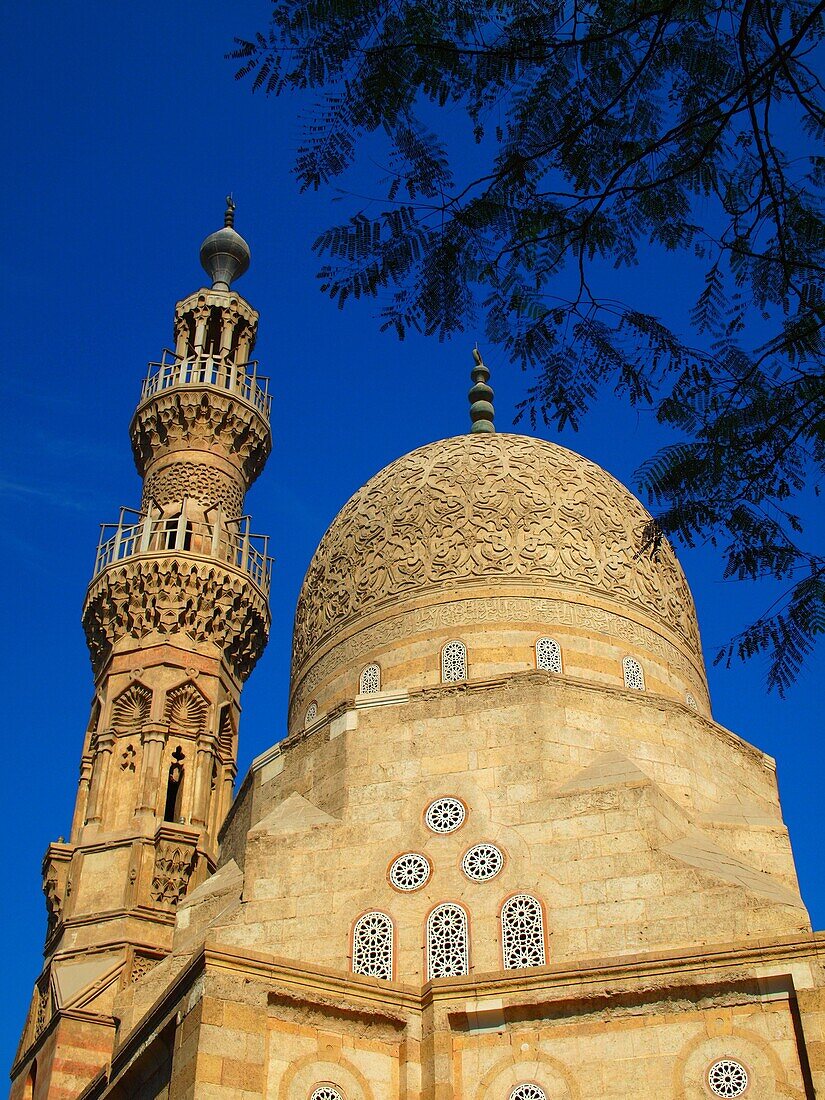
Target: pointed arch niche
186	710
131	709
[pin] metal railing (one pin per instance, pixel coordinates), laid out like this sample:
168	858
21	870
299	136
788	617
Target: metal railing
226	540
215	371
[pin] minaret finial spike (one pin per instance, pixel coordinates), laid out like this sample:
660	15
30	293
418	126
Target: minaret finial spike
481	396
229	213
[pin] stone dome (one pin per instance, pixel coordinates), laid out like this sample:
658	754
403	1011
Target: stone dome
490	518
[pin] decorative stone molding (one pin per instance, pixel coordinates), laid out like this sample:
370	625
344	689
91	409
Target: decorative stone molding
175	861
42	1006
204	600
199	419
498	609
186	710
56	865
141	965
207	485
487	509
130	709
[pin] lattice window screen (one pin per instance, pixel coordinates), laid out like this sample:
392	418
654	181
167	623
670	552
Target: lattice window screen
522	932
548	655
370	680
372	946
634	677
453	662
447	951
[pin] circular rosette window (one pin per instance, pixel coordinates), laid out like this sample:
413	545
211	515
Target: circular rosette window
445	815
528	1091
410	871
727	1078
482	862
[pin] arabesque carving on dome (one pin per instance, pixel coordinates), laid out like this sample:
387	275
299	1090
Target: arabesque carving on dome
489	509
167	596
191	418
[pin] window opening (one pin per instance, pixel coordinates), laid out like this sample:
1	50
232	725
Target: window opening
445	815
522	932
447	950
410	871
370	680
453	662
633	676
727	1078
174	787
548	655
528	1091
372	946
482	862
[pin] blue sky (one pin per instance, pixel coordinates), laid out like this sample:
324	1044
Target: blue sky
124	129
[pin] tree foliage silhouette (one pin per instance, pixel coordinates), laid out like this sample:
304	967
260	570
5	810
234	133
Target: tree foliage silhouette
602	129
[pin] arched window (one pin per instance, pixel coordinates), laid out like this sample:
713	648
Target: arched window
633	675
326	1092
447	949
311	714
372	946
453	662
548	655
370	680
522	932
174	787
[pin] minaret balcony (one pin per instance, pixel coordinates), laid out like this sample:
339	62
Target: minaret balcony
216	372
229	542
203	403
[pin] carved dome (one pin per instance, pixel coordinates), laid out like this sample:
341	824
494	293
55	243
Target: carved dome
489	515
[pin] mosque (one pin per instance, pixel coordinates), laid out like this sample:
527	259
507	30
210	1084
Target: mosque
502	851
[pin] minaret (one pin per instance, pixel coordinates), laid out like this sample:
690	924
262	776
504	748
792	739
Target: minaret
176	615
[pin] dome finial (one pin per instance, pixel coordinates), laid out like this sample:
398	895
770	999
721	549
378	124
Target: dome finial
481	397
225	255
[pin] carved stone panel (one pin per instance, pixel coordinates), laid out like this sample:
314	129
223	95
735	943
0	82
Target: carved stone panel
196	481
174	864
493	509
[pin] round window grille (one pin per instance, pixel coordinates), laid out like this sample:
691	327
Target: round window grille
326	1092
528	1091
410	871
727	1078
445	815
482	862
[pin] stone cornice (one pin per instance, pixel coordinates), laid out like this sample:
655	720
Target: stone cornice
201	418
202	599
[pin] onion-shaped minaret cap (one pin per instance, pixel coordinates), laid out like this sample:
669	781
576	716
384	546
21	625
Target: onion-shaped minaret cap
225	254
481	397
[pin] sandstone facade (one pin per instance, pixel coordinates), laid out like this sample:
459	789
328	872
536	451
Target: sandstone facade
503	851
